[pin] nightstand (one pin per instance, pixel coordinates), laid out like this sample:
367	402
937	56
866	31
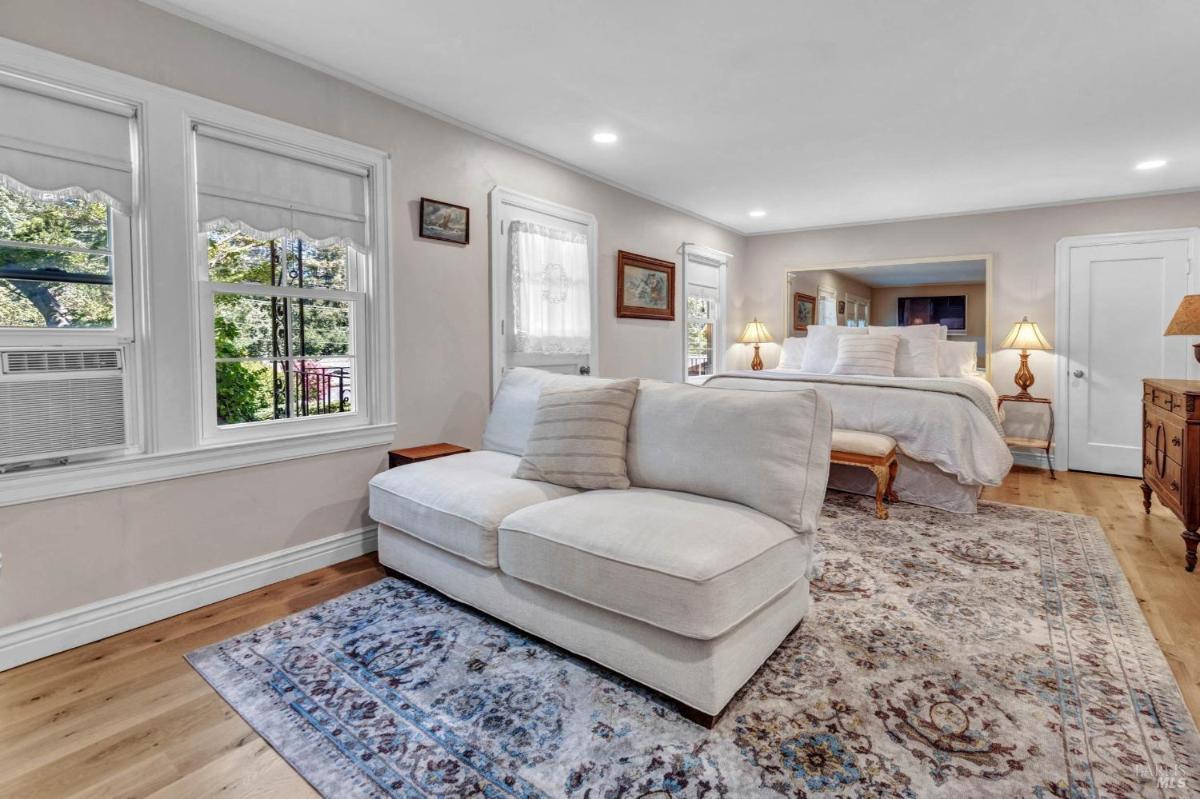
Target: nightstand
403	457
1043	444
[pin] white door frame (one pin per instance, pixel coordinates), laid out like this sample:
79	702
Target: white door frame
1062	314
499	197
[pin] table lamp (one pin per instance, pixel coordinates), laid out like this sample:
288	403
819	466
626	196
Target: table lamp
1024	336
755	333
1186	321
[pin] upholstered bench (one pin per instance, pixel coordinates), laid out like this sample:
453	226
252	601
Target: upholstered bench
873	451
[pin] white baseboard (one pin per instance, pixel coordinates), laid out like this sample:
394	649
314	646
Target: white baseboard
1037	460
47	635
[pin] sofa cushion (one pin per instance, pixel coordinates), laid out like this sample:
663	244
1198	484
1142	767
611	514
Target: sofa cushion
515	405
765	449
578	436
692	565
456	503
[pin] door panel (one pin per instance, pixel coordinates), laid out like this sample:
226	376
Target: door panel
1121	298
554	270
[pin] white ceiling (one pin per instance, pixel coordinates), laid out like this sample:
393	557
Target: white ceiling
920	273
820	113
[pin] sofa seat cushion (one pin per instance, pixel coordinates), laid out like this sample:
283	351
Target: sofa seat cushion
456	503
689	564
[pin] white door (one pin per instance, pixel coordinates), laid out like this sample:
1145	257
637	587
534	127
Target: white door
1121	297
543	286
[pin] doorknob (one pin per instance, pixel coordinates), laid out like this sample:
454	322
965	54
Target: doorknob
1078	373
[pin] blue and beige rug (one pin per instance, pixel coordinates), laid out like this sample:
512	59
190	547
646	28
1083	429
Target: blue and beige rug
997	655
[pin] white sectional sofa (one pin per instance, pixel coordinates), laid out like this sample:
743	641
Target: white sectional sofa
682	582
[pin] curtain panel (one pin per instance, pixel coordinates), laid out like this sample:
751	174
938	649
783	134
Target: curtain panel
551	290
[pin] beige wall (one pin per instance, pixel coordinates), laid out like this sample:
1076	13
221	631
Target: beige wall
63	553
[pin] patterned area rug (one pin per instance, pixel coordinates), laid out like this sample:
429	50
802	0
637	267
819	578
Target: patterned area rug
995	655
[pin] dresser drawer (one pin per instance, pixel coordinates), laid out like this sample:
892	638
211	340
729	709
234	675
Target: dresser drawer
1169	401
1163	431
1168	485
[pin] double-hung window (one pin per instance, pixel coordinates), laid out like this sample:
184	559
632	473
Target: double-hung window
66	194
704	282
284	238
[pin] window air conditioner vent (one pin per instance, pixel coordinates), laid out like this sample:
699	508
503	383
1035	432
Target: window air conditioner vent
47	361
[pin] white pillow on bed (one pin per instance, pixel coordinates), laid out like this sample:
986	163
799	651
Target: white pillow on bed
910	331
917	357
792	356
821	350
867	355
957	358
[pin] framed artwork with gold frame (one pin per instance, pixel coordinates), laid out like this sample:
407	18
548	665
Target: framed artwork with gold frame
645	287
804	311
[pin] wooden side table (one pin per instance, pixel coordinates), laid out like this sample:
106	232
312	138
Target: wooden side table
403	457
1043	444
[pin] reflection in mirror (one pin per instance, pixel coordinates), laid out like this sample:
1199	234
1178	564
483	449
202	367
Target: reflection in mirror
950	291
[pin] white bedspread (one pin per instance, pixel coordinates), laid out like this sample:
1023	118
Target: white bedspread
944	429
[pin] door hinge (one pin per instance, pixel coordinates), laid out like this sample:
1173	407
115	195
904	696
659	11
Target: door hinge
502	327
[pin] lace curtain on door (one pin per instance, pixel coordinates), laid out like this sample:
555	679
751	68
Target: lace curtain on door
551	290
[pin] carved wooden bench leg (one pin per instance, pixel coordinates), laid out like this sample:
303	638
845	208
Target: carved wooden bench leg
873	451
882	478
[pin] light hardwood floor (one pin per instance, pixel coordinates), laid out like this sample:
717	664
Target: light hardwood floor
127	716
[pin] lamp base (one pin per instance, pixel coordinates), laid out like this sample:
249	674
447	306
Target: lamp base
1023	378
756	363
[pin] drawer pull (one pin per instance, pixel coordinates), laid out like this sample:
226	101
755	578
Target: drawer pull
1160	450
1176	441
1175	486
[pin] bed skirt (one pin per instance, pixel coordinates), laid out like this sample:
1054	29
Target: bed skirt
917	482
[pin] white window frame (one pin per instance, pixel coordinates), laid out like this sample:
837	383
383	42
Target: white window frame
160	312
120	249
709	257
369	307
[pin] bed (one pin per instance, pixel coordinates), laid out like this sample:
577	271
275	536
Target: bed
947	428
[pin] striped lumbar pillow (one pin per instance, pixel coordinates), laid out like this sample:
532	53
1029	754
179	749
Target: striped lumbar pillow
578	436
866	355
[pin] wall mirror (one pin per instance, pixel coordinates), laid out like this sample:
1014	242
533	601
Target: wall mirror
954	291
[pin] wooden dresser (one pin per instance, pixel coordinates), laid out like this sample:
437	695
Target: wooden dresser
1171	452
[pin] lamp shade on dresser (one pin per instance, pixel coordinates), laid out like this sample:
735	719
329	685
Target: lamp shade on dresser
1171	453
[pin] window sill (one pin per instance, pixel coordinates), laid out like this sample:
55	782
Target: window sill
83	478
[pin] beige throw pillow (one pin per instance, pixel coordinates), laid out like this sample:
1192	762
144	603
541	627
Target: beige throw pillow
867	355
578	436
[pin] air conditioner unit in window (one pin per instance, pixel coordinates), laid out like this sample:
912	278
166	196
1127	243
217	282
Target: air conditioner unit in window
60	404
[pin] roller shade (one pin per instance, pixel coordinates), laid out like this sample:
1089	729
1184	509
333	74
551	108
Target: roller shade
270	193
703	280
53	144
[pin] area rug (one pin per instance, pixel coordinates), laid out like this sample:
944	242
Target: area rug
1001	654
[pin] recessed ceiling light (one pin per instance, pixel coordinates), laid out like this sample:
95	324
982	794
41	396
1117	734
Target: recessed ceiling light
604	137
1153	163
757	212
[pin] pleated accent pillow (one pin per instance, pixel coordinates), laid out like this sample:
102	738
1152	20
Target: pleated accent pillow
578	436
867	355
